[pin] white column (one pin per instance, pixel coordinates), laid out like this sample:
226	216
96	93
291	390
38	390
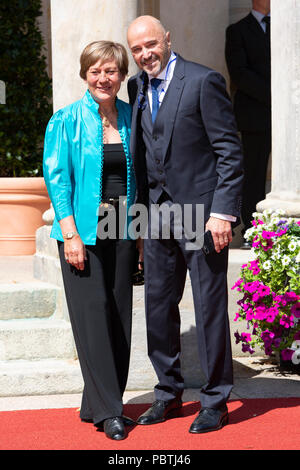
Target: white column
285	53
197	30
74	24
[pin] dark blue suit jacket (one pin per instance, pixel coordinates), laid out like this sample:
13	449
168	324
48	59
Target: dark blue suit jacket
201	148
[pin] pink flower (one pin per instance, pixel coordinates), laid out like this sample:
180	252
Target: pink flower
261	313
286	321
246	337
268	246
295	310
247	348
264	290
267	337
256	297
286	354
254	267
249	314
280	300
237	337
281	232
267	235
257	222
272	312
291	296
238	283
254	242
251	286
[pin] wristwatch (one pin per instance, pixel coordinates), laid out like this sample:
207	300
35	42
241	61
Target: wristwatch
69	235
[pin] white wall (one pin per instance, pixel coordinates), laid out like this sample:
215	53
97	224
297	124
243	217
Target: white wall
198	29
76	23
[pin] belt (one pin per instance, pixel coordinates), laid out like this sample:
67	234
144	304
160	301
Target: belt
112	201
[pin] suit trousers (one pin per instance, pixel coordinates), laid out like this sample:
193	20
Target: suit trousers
166	264
99	300
257	148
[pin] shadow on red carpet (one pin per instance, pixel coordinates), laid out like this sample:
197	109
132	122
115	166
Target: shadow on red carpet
256	424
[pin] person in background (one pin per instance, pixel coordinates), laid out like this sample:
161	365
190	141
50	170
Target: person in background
87	167
248	60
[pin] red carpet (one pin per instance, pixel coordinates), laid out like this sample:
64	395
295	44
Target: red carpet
257	424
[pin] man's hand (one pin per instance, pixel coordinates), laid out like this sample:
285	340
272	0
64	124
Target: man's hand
221	232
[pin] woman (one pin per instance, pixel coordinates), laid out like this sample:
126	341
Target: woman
87	165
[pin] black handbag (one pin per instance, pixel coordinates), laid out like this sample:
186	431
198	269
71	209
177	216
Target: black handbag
138	274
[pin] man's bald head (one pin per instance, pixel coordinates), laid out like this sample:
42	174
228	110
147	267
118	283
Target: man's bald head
142	23
149	43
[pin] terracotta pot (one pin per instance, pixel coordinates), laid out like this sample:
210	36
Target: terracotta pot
22	204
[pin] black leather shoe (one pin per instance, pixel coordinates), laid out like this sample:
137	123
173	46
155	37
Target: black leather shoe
114	428
246	245
159	411
127	421
209	419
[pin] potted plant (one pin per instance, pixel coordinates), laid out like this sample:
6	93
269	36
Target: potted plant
270	288
23	120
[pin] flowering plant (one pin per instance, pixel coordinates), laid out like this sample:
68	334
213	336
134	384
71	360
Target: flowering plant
270	287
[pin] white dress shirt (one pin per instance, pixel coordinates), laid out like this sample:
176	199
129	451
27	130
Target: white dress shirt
259	17
166	76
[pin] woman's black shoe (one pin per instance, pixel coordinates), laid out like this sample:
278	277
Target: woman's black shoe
114	428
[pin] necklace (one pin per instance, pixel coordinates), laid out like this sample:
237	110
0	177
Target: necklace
106	123
105	120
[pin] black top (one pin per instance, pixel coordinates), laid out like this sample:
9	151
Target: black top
114	182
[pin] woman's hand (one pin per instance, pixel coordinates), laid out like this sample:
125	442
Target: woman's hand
74	249
140	247
75	252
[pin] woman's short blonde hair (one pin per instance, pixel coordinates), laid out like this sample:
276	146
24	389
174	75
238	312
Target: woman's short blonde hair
104	51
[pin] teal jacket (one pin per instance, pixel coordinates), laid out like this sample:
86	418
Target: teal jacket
73	164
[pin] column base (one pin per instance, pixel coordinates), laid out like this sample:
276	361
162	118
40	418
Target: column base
290	205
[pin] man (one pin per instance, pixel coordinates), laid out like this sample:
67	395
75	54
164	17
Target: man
186	150
248	59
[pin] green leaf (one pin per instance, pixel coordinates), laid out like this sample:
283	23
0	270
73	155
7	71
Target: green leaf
28	108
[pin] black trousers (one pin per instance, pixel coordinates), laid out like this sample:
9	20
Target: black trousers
257	148
166	264
99	300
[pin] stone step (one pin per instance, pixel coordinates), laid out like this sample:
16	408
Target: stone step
44	377
33	339
37	352
28	300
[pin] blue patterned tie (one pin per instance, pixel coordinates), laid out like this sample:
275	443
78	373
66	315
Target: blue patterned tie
155	82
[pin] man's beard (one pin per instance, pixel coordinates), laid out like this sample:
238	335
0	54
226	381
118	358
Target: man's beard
161	63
